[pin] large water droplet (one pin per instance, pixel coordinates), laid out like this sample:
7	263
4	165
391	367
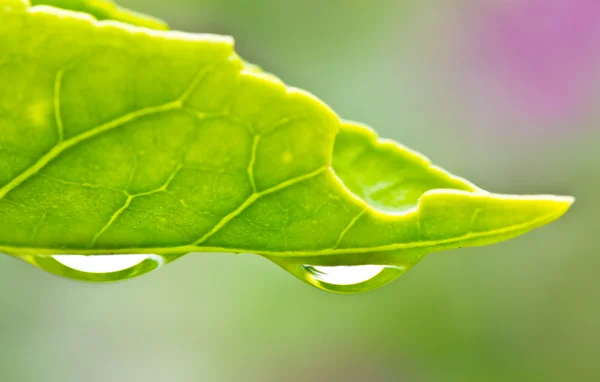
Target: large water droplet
99	268
348	279
342	279
100	264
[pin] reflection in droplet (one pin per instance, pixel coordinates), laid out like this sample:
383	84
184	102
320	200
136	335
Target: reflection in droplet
100	264
345	279
99	268
344	275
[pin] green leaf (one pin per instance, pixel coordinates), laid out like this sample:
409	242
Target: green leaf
117	139
106	10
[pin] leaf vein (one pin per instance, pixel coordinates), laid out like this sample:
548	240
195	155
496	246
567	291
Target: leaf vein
63	145
253	162
284	122
348	227
83	185
188	207
113	218
38	225
57	105
254	197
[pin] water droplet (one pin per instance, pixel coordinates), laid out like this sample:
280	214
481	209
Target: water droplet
342	279
349	279
100	264
344	275
99	268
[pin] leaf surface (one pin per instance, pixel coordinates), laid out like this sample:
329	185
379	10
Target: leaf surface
117	139
106	10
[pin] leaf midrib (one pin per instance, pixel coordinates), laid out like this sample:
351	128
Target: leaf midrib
309	253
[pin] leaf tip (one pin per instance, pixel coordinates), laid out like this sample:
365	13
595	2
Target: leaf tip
561	204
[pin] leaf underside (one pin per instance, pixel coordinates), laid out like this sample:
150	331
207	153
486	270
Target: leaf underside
119	139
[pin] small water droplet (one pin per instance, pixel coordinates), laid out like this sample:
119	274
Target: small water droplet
344	275
99	268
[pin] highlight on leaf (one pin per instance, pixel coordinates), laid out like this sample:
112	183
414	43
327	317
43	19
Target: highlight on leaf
124	147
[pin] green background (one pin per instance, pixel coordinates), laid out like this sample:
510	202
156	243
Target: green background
525	310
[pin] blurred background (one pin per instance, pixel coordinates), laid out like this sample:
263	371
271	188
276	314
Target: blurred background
503	92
